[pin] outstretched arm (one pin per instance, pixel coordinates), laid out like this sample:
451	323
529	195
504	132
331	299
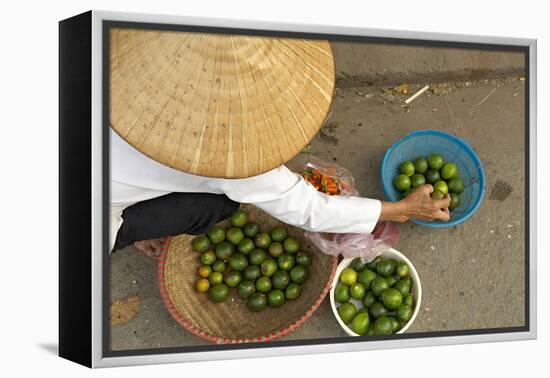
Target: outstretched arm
289	198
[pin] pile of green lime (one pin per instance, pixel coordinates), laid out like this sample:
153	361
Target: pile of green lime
376	298
444	177
265	268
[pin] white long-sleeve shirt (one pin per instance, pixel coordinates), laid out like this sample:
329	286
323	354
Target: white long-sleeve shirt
281	193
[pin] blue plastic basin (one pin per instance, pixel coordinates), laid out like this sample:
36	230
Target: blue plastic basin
453	149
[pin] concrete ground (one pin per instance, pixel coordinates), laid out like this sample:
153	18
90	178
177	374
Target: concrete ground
472	275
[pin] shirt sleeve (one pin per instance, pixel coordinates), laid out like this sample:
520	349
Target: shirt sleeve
300	204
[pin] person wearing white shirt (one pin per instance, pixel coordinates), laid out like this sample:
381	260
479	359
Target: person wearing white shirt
195	148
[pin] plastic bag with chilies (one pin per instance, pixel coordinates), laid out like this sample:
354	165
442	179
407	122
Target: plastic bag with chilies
332	179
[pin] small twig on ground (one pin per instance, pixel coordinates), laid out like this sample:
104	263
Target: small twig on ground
476	106
424	89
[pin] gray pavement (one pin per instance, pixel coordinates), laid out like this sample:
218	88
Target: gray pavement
472	274
360	64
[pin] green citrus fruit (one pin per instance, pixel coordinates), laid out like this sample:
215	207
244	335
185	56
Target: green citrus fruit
420	165
403	286
404	313
456	185
435	161
341	293
257	256
385	268
215	278
293	291
216	234
402	182
251	229
202	285
291	245
360	323
368	299
280	279
347	312
449	170
455	201
246	289
276	298
201	243
239	218
406	168
234	235
268	267
437	195
377	309
257	302
366	277
357	290
299	274
279	234
417	180
232	278
262	240
379	285
245	246
276	249
432	175
370	331
409	300
218	292
372	264
208	258
402	269
263	284
224	250
395	324
383	326
303	258
441	186
286	261
392	298
358	265
238	262
348	276
218	266
391	280
252	272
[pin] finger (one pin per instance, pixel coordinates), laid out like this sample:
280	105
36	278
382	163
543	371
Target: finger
444	203
427	189
443	215
156	244
156	252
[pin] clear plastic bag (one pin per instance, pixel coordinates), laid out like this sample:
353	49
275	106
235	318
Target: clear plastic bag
332	179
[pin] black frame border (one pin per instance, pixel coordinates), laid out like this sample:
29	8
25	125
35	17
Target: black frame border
108	24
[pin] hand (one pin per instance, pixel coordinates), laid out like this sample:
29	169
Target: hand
417	205
150	248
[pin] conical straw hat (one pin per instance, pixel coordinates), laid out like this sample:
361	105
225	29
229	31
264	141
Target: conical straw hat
218	105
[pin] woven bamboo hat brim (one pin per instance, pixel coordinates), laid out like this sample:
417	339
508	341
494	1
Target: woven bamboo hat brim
218	105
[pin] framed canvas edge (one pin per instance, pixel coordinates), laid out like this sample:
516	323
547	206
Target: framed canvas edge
99	195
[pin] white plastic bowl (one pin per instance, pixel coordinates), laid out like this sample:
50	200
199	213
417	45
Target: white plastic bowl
416	290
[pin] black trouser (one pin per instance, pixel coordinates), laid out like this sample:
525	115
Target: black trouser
173	214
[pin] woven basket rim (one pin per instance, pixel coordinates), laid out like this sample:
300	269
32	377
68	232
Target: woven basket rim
189	326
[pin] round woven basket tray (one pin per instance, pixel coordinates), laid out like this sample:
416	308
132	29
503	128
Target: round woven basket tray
231	321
